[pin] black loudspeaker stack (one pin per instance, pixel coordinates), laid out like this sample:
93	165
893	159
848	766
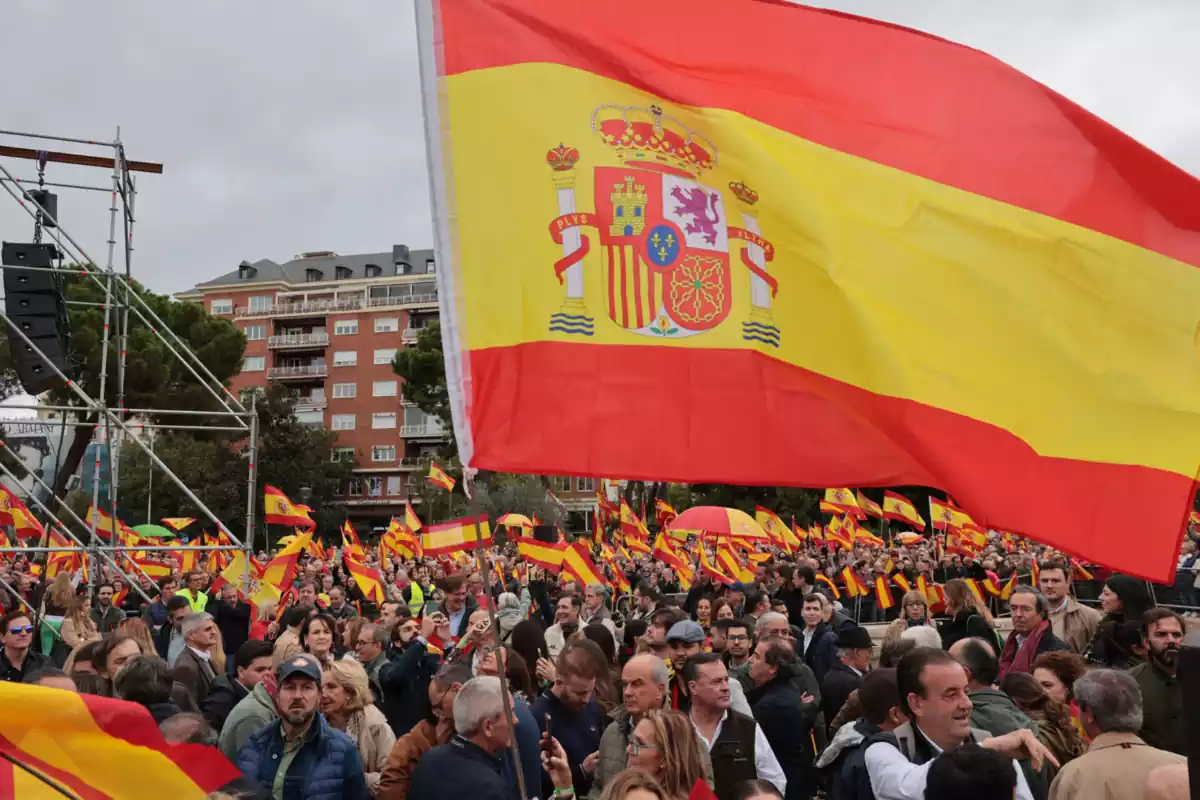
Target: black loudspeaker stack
545	533
33	301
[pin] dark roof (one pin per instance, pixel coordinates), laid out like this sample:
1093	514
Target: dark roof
295	271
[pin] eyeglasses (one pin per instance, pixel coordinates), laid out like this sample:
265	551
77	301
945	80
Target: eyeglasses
636	747
737	637
20	630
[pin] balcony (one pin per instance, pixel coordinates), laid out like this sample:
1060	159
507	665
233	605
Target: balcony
310	404
311	308
411	462
428	430
409	335
297	341
301	372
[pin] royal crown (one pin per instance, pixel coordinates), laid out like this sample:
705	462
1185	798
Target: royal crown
648	136
562	158
744	193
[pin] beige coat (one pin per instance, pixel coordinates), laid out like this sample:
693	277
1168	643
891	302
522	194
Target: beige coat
74	635
370	731
1075	624
1116	765
286	646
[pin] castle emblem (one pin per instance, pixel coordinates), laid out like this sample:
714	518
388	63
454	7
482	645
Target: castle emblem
664	236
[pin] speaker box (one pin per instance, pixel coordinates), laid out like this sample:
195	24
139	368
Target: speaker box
48	201
545	533
33	301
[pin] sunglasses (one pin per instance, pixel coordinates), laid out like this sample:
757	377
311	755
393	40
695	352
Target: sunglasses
19	630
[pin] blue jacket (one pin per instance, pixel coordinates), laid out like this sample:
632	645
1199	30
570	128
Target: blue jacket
461	770
577	731
529	739
326	768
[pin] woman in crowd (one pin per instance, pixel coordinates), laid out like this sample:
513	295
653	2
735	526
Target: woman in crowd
79	662
135	628
635	629
968	617
1118	637
316	637
1057	672
722	608
55	604
664	744
528	640
77	626
508	615
633	784
704	613
914	612
349	634
1056	728
261	628
347	704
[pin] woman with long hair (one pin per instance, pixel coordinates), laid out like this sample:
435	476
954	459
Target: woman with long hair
664	744
1118	637
914	612
135	628
77	626
316	637
260	628
1057	672
348	705
633	784
969	617
508	615
56	601
529	641
1056	728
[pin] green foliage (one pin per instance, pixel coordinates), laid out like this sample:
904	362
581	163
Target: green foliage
423	368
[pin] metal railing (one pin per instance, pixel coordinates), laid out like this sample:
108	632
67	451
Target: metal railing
317	307
428	429
410	462
409	335
310	404
298	340
299	371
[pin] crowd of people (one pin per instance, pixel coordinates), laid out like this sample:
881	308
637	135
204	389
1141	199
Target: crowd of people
501	684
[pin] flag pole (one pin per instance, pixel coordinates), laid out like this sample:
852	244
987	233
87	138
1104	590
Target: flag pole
46	779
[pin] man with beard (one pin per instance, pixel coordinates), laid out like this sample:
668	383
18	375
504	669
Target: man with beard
737	646
404	679
299	752
566	622
395	782
1162	693
576	719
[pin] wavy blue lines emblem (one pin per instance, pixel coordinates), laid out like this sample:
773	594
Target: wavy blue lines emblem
575	324
758	332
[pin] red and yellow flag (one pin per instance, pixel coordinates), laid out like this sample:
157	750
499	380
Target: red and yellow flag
883	593
664	511
664	552
869	506
774	526
13	512
177	523
649	182
732	566
844	501
577	561
548	556
900	509
459	534
279	510
632	525
280	571
410	518
351	543
438	477
854	586
709	569
829	584
369	581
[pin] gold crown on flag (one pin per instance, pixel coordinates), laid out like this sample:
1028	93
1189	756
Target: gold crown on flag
562	158
743	192
648	136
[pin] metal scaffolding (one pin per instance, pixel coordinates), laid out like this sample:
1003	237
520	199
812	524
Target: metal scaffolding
115	423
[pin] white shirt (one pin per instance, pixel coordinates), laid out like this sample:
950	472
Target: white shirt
894	777
203	655
807	635
765	763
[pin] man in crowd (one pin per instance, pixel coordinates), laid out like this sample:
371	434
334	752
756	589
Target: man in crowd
395	782
458	605
843	761
971	771
1117	762
390	614
232	615
146	680
156	614
193	668
252	713
933	695
306	594
251	662
338	607
169	641
1031	634
818	642
419	591
737	746
576	719
369	650
645	600
854	651
300	751
1070	620
106	616
288	642
51	678
757	604
738	646
113	653
566	622
684	640
594	609
717	633
493	662
194	591
1162	693
778	709
18	658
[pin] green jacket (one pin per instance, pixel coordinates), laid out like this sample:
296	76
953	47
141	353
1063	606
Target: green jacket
1162	709
253	712
995	712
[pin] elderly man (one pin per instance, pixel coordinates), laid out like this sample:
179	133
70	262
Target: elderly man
369	650
1162	693
1117	763
594	609
193	668
778	710
1071	621
854	650
1032	634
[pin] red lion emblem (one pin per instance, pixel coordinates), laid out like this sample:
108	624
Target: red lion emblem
695	203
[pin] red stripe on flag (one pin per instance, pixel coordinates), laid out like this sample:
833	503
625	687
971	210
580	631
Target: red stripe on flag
637	287
612	283
795	427
76	783
879	91
624	291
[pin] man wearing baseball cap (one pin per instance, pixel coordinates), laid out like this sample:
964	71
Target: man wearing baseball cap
686	639
299	756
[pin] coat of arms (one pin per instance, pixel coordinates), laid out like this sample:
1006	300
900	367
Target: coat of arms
664	236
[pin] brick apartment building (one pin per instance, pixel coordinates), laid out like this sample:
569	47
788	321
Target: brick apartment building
328	326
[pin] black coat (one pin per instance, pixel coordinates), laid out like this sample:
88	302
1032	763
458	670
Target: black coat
821	653
404	681
839	682
224	694
234	623
964	625
460	770
777	710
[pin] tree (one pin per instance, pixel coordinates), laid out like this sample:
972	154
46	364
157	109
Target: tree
423	368
154	377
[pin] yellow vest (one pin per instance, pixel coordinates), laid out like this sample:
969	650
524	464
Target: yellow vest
416	599
197	603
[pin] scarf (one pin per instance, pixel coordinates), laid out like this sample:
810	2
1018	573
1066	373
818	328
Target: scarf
1021	660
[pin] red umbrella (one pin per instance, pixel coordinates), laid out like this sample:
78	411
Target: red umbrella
719	522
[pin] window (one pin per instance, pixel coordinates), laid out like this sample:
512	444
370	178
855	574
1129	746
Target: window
430	266
354	486
342	454
560	483
345	358
383	452
310	417
375	486
254	364
384	389
395	484
585	484
345	327
387	324
224	306
384	355
386	419
343	422
414	417
344	390
261	302
255	332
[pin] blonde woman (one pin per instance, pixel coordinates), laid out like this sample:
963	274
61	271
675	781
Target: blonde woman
77	626
135	628
665	745
914	612
55	604
633	784
968	617
348	706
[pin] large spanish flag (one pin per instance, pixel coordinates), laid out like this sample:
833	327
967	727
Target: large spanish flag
645	211
96	747
279	510
456	535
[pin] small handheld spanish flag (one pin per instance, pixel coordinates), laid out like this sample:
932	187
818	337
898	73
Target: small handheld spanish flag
438	477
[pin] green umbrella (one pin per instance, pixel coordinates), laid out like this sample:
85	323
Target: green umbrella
149	531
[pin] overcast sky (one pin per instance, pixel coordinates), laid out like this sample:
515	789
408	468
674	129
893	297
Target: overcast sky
291	125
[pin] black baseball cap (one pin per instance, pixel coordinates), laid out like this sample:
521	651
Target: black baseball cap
303	664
